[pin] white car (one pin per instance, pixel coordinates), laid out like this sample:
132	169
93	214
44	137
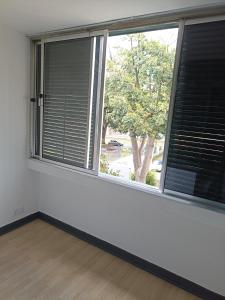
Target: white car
157	166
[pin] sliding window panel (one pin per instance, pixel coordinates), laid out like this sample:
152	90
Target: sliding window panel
196	155
68	100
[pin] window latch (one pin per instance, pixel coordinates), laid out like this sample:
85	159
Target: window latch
32	99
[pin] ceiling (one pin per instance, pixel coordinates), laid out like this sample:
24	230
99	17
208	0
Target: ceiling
36	16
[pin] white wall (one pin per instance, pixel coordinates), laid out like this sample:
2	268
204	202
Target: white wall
185	239
16	197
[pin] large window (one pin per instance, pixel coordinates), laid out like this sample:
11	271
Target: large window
139	73
163	110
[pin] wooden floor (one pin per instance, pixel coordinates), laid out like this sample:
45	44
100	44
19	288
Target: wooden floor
39	261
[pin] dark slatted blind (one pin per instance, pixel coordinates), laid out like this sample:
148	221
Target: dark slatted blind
196	157
67	72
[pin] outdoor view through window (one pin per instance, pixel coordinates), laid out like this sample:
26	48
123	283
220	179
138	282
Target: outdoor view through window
139	71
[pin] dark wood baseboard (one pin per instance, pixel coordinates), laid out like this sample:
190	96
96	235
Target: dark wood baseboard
147	266
18	223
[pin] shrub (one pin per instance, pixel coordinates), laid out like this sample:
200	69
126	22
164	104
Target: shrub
104	167
150	178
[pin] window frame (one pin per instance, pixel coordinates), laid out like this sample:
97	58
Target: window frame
99	101
194	199
184	198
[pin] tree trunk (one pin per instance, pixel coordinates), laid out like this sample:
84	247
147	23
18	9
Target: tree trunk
136	156
104	129
147	160
142	164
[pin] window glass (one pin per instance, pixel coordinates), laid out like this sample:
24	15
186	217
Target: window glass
196	157
139	72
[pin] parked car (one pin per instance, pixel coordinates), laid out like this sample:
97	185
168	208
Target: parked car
157	166
115	143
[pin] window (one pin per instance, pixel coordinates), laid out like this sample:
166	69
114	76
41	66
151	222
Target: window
196	157
164	87
67	107
139	73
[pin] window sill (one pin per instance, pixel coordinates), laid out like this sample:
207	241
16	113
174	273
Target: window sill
71	174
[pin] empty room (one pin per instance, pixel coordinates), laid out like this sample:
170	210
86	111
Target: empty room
112	146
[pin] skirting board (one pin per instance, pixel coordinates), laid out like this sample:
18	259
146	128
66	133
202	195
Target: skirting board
147	266
18	223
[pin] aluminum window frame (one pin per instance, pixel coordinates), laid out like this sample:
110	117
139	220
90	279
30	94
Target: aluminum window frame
171	104
194	199
96	158
153	27
33	94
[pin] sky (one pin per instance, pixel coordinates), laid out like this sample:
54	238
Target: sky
165	36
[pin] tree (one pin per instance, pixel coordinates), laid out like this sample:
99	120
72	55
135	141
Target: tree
138	84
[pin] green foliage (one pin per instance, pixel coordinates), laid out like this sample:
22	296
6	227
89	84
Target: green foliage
104	167
138	83
150	178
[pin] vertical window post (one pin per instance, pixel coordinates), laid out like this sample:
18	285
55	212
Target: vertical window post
171	104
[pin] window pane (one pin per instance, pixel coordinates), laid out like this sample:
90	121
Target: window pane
196	159
67	77
138	87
